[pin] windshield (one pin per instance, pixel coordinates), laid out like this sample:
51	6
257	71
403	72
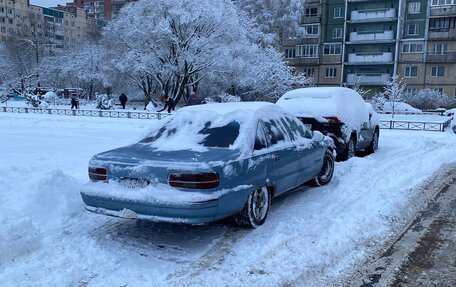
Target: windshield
207	135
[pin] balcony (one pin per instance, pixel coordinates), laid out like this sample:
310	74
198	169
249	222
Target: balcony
443	10
373	14
303	61
368	79
447	57
442	34
369	58
370	36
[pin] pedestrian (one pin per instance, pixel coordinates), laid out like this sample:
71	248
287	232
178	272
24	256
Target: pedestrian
169	103
74	102
192	99
123	100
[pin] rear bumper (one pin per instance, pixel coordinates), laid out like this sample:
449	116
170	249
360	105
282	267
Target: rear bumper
191	213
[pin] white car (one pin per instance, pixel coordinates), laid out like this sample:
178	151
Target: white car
400	107
337	112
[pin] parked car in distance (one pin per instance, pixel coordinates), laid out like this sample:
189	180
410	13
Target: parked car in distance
400	107
337	112
208	162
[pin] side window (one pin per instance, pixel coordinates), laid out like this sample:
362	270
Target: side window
260	138
299	129
288	130
273	133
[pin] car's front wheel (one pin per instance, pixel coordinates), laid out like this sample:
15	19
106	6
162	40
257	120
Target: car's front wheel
374	144
327	170
350	149
255	209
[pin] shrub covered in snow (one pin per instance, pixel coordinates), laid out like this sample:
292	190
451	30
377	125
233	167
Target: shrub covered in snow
427	99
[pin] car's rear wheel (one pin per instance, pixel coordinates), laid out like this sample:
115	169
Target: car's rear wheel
327	170
256	209
374	144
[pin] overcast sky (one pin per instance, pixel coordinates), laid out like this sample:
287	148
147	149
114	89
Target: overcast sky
49	3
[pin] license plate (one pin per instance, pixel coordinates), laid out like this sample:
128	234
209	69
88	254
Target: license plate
309	126
134	182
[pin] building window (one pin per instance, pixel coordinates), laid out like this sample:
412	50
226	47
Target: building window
337	33
338	12
2	9
414	7
311	12
3	29
310	29
307	51
412	29
10	11
290	53
309	72
410	90
440	2
411	72
2	19
10	21
331	72
440	24
332	49
412	48
440	49
438	71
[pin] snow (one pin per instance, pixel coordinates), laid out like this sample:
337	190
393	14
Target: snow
321	102
311	236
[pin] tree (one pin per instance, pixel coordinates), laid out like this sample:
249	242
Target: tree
356	86
394	90
427	99
173	47
276	19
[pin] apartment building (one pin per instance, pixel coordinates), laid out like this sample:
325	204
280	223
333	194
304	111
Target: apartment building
101	10
20	19
368	41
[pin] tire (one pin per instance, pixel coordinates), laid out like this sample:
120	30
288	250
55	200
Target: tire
255	210
374	144
350	150
327	170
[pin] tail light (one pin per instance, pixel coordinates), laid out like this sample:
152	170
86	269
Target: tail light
334	120
97	173
205	180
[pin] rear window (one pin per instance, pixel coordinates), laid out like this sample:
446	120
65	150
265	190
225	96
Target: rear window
220	136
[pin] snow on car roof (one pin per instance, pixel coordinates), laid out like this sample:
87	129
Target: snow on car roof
187	122
344	103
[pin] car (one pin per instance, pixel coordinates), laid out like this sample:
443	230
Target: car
208	162
400	107
453	124
337	112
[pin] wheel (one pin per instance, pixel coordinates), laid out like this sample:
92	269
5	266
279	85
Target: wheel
350	150
255	209
327	170
374	144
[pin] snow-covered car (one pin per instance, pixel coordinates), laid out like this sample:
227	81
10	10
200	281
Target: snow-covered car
400	107
450	112
453	124
337	112
208	162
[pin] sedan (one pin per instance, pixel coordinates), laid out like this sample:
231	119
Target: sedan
208	162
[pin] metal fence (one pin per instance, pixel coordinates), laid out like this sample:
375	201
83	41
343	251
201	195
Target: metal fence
414	125
87	113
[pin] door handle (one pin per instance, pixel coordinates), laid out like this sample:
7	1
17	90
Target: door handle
276	157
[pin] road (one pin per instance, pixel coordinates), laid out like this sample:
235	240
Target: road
424	253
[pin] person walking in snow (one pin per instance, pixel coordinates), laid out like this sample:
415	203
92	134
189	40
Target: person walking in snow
192	99
169	103
123	100
74	102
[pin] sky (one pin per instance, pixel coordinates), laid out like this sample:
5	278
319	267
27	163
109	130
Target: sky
49	3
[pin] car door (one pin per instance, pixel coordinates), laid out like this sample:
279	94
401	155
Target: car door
367	132
309	152
283	153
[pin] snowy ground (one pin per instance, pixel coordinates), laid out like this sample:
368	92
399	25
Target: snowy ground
428	118
311	237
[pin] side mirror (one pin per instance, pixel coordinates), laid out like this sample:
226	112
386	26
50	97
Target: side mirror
317	136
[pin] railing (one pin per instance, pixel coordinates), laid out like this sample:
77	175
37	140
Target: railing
415	125
87	113
370	57
371	36
373	14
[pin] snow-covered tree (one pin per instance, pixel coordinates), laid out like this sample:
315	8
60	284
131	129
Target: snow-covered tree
394	90
172	47
427	99
377	101
356	86
275	18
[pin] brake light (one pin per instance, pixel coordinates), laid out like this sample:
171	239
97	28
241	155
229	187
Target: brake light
97	173
334	120
204	180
